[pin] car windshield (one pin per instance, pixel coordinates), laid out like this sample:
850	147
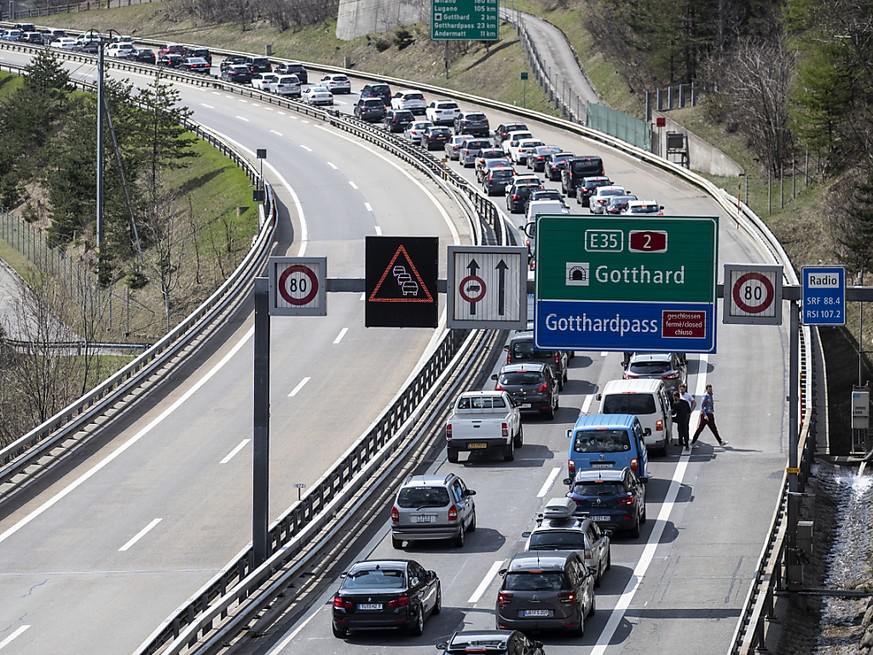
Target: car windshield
601	441
652	367
415	497
554	540
380	578
629	403
534	581
522	378
596	488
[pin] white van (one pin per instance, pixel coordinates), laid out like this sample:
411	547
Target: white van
649	401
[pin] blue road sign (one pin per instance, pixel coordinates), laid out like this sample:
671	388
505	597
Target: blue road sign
824	295
626	326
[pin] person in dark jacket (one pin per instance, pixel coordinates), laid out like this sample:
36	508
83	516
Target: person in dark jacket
682	418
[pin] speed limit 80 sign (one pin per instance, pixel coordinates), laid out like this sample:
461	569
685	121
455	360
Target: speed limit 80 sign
298	286
752	294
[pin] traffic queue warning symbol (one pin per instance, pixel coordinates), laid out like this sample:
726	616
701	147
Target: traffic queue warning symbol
753	294
297	286
487	287
401	281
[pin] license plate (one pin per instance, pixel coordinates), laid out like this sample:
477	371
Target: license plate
600	465
525	406
370	606
478	445
536	613
425	518
600	518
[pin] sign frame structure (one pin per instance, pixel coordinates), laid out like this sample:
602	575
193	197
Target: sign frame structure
285	274
465	20
815	300
752	277
487	287
626	283
401	281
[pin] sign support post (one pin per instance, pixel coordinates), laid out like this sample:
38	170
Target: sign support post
261	427
792	561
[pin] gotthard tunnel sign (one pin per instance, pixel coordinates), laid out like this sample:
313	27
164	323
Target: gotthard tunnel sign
626	283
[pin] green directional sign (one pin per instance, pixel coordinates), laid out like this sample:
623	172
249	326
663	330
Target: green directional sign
465	20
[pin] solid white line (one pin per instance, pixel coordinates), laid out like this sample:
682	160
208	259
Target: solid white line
15	634
367	205
333	166
139	535
586	405
353	185
207	106
485	582
243	118
378	231
239	447
139	435
341	335
276	133
549	482
298	387
306	148
287	640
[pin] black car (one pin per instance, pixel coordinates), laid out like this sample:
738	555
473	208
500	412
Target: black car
90	47
518	194
613	498
495	181
435	137
377	90
397	120
259	65
504	129
293	68
238	73
490	642
521	349
578	168
531	385
199	52
171	60
474	123
145	56
386	594
233	60
587	187
555	164
371	110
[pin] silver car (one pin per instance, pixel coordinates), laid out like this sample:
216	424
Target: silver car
669	367
431	507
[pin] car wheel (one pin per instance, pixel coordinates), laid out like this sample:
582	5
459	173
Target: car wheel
557	402
438	605
339	633
397	543
459	539
519	437
472	526
551	413
635	531
509	451
599	577
452	455
593	605
580	628
417	626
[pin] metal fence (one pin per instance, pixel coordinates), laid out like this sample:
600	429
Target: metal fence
15	12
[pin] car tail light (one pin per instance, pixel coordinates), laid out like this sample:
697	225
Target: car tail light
626	500
498	387
543	388
635	465
672	375
516	196
342	603
453	513
400	601
659	425
557	358
448	431
505	430
504	598
395	515
571	468
567	597
588	553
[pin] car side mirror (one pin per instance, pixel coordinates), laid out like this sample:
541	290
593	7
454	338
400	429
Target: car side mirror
600	396
530	229
502	572
525	534
494	376
432	575
592	570
442	646
569	433
608	533
470	492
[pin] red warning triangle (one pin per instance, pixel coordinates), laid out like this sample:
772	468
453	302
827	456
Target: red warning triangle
401	282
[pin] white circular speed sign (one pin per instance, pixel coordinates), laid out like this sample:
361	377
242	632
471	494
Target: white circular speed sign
297	286
753	294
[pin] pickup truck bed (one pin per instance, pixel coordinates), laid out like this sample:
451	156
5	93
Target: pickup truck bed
484	421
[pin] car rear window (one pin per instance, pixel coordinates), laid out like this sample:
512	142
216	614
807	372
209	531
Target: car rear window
597	488
414	497
649	368
525	349
548	540
601	441
629	403
260	61
534	581
504	173
373	102
382	579
522	378
413	96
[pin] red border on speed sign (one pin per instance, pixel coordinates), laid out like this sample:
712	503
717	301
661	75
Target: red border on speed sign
766	301
313	279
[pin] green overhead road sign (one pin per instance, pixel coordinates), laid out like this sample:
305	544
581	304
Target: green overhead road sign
465	20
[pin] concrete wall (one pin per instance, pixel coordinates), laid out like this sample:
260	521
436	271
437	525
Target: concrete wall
703	157
359	17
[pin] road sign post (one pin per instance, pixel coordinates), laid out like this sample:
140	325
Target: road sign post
824	295
626	283
487	287
465	20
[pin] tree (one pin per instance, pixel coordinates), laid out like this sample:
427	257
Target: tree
852	220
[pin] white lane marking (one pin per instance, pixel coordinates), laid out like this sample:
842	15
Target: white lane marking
333	166
276	133
306	148
367	205
353	185
378	231
243	118
340	336
139	535
245	102
304	231
485	582
268	108
51	502
203	104
456	238
287	640
303	120
242	444
15	634
549	482
299	386
617	615
586	405
218	93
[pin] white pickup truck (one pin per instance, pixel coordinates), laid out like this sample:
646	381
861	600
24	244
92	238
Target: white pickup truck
481	421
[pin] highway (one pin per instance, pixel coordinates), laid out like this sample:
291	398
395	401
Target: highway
98	558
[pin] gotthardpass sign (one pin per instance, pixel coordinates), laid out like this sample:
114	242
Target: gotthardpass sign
626	283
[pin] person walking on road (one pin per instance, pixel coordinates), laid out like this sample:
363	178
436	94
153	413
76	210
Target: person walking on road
687	397
681	418
707	418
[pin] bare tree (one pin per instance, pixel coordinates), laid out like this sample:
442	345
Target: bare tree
164	227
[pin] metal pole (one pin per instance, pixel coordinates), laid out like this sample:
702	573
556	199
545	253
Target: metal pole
261	427
99	154
795	577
